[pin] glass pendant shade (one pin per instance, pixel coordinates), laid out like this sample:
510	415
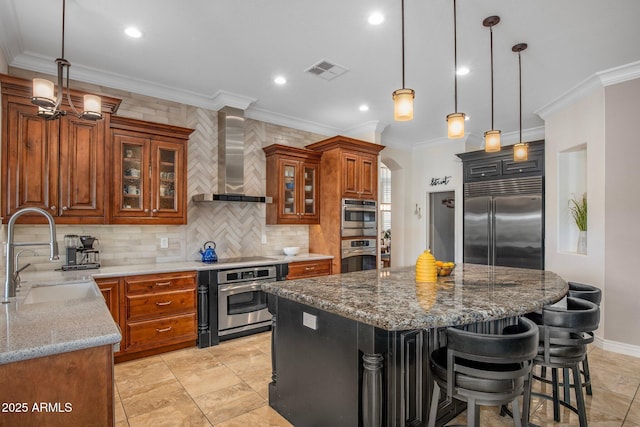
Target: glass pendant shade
43	93
92	107
520	152
403	104
455	125
492	141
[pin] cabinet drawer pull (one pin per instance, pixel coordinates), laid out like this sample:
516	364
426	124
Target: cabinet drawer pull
161	304
313	267
163	283
164	329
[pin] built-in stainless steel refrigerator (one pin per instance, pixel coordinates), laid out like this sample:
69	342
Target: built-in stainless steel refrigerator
504	222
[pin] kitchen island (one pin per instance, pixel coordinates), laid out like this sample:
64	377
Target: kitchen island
56	355
352	349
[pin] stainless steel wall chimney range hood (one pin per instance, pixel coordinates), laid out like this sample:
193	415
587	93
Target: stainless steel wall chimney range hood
230	160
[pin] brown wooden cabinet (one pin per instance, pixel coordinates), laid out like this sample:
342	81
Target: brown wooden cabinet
349	170
149	172
80	382
110	288
293	177
111	292
304	269
360	175
56	165
159	313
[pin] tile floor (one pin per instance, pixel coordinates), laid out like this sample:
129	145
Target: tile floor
226	386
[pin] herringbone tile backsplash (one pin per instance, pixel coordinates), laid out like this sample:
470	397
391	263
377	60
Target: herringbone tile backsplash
237	228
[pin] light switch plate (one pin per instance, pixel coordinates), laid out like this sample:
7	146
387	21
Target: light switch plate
164	242
310	321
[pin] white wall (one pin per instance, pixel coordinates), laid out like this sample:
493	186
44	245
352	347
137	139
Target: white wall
622	208
436	160
399	162
580	124
602	117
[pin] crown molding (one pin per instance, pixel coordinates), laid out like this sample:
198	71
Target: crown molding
222	98
586	87
257	113
373	127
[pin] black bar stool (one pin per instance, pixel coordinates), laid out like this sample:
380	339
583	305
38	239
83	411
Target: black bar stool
593	294
564	335
485	369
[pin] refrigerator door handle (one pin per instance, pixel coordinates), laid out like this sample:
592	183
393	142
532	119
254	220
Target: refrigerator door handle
489	231
493	231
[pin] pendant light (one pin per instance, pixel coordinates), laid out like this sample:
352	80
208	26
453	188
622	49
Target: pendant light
455	120
491	137
49	104
403	98
520	150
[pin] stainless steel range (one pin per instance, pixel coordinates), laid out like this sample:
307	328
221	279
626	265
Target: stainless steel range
230	300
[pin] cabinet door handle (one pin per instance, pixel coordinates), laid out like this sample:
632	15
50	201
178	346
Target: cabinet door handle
64	208
146	210
155	210
164	329
53	208
163	283
161	304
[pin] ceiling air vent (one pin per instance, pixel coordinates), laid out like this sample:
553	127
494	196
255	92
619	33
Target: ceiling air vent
326	70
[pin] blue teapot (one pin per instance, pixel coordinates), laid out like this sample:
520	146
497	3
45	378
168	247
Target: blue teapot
209	254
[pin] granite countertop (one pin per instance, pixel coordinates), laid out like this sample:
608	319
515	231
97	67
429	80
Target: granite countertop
35	330
41	329
391	299
168	267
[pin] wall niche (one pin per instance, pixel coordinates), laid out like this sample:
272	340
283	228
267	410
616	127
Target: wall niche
572	184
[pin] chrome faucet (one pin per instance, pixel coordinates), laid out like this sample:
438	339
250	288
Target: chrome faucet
10	280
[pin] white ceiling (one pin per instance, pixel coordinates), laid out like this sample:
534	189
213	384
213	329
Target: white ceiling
208	53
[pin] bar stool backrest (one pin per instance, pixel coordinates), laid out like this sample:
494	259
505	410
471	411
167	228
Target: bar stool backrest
570	327
586	292
517	349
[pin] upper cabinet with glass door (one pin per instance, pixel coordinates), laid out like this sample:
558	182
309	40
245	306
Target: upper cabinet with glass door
293	175
150	163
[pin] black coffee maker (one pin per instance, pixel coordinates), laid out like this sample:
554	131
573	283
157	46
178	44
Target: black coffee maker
81	253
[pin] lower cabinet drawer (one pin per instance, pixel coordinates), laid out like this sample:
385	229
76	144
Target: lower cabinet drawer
155	305
150	333
302	269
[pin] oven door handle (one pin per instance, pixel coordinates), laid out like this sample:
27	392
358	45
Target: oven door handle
235	289
357	252
359	208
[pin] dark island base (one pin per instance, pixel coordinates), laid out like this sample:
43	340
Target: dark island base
332	371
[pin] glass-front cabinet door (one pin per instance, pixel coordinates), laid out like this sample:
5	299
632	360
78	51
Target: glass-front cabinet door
132	174
290	189
310	180
165	178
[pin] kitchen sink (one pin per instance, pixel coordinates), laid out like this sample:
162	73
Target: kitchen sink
61	292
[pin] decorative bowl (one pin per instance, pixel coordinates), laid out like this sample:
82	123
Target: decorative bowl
291	250
445	270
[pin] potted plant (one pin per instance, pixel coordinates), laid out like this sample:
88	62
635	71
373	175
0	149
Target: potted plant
578	210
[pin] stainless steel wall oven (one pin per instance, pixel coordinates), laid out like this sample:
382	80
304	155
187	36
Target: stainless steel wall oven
358	255
359	218
231	302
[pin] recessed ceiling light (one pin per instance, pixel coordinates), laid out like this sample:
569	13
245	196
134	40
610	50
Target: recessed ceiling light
462	71
133	32
376	18
280	80
364	107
